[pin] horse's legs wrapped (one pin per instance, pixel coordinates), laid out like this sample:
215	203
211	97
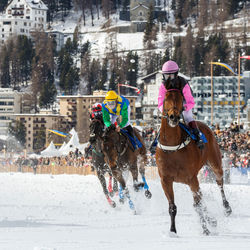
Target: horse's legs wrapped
200	209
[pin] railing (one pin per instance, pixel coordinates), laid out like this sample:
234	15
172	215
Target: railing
151	172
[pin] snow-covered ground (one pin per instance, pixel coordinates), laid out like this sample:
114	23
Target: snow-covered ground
44	212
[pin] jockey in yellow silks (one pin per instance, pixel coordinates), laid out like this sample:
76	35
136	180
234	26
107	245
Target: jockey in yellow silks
114	106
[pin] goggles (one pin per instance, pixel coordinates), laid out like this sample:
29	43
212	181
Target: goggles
111	104
96	109
169	75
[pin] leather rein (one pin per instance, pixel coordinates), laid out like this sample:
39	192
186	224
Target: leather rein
171	149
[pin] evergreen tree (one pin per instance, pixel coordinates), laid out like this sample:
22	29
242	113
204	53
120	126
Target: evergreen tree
149	26
132	63
103	74
39	139
18	130
3	5
48	92
5	69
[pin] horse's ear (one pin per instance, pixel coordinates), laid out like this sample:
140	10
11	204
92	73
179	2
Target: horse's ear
166	83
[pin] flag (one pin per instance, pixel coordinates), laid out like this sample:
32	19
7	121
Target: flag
245	57
138	91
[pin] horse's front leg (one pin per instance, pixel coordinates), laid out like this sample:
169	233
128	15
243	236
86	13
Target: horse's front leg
102	180
167	185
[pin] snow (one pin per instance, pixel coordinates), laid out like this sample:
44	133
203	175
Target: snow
45	212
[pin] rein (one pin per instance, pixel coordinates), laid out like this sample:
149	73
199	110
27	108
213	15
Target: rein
183	144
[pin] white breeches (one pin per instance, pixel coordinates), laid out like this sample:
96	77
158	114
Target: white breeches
188	116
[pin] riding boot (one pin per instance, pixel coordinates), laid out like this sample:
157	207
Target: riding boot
153	145
197	134
131	132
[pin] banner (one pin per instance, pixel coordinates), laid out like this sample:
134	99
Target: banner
226	66
138	91
58	132
245	57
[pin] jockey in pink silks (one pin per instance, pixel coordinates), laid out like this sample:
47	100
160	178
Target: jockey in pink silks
170	74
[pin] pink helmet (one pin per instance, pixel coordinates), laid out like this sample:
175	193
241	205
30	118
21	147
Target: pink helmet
170	67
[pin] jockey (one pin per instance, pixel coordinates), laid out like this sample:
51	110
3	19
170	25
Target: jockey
170	73
95	113
114	106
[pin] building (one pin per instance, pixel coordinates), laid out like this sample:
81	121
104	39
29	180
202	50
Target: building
37	126
225	98
77	109
137	12
21	17
10	103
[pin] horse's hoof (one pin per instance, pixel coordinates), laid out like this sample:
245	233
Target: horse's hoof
173	234
148	194
113	204
228	211
206	232
212	221
121	201
138	186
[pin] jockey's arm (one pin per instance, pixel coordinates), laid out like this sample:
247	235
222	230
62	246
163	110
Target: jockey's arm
124	115
188	97
106	117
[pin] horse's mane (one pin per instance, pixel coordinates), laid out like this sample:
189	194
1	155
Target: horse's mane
177	83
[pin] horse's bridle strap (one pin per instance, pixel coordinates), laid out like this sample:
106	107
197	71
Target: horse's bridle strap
174	148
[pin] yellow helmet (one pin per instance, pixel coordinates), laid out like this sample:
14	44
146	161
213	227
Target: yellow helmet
111	96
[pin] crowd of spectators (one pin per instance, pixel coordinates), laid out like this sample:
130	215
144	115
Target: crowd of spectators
234	142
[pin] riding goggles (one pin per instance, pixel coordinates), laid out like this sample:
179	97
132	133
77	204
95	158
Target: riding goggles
111	104
168	75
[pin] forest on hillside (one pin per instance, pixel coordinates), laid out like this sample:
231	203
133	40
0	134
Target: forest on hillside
23	61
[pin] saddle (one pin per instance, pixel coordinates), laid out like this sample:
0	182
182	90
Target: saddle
191	134
135	142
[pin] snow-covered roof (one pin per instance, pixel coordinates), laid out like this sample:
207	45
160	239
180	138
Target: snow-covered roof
37	4
139	5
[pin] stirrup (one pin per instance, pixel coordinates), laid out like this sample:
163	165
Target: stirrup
200	143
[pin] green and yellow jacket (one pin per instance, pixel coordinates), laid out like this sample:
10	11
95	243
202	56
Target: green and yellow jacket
120	109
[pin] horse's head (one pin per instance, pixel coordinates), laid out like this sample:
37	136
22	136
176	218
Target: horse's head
111	144
96	130
173	107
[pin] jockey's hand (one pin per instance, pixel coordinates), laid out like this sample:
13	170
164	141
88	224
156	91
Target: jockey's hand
118	129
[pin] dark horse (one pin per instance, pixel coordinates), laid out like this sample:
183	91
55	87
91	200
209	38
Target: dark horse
99	163
120	156
179	159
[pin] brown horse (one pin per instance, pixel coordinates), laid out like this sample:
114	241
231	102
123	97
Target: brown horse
120	156
179	159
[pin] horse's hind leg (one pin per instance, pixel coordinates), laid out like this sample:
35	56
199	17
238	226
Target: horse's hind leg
216	165
197	195
134	171
142	161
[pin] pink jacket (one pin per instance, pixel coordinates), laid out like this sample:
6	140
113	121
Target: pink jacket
189	100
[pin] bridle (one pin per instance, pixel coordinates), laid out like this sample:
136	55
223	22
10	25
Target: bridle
169	149
166	116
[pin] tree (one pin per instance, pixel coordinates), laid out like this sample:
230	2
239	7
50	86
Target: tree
39	139
42	66
18	130
3	5
5	68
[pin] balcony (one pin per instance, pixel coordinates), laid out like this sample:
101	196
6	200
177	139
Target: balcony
17	13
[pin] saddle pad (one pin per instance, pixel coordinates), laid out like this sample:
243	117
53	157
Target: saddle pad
191	134
138	143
